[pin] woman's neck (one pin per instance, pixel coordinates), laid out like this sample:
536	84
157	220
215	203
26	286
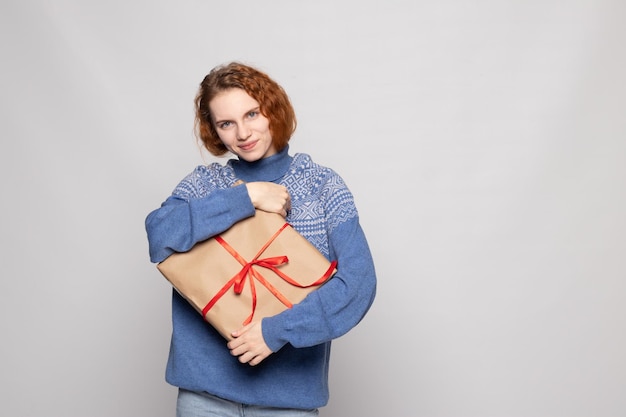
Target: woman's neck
271	169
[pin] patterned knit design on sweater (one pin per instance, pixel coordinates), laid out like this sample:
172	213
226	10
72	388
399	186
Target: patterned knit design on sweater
320	200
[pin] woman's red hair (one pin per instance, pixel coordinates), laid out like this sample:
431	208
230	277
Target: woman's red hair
273	104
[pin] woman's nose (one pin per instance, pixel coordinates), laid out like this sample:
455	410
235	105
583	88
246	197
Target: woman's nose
243	132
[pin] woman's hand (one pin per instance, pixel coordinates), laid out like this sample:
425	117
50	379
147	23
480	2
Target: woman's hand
248	344
270	197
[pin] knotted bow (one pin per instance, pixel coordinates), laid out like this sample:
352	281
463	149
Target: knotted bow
272	263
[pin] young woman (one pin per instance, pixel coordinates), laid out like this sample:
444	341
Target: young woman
277	366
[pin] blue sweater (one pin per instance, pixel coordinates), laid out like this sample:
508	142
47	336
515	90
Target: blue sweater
204	204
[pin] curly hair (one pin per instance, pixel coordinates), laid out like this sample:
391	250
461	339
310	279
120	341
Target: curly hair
273	101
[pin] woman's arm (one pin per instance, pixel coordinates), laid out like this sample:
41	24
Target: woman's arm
338	305
180	223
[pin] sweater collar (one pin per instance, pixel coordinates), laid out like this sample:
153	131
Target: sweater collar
271	169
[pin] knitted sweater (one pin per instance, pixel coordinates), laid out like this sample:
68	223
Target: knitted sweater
204	204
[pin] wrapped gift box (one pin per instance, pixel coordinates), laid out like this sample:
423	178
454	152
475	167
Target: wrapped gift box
257	268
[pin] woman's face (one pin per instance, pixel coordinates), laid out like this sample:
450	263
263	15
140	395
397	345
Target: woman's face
241	126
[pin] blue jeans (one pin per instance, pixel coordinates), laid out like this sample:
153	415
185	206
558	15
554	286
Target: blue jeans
201	404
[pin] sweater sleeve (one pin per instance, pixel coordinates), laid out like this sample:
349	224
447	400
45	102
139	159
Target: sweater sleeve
338	305
181	222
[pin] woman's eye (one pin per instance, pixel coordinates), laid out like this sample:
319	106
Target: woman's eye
223	125
252	114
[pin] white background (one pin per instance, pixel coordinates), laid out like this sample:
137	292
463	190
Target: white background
484	142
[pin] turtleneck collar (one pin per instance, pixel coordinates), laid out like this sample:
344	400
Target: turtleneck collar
271	169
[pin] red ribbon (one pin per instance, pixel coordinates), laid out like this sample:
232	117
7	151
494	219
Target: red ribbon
272	263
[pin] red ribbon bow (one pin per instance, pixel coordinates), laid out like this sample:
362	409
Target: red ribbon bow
239	280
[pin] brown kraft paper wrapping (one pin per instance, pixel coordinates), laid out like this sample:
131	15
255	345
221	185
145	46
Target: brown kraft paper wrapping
257	268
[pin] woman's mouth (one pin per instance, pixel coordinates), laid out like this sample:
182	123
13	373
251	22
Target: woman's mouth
247	146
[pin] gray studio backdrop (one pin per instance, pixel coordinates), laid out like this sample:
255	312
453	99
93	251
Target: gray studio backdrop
484	142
